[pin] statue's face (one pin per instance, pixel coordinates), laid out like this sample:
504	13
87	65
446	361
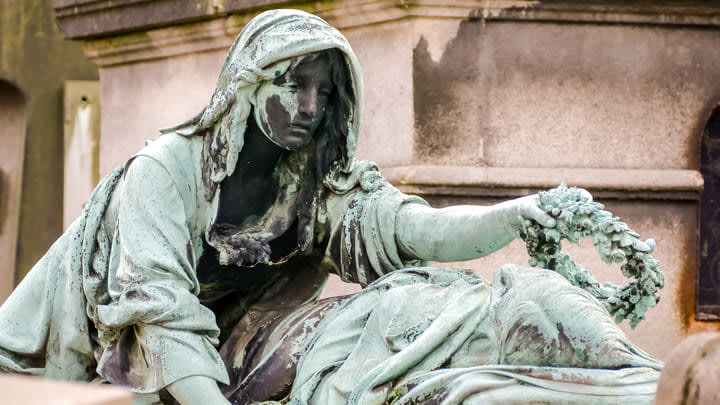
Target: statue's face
290	108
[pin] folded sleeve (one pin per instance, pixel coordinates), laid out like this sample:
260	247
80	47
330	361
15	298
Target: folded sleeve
158	330
360	229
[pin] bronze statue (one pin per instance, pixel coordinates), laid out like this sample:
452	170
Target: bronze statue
192	271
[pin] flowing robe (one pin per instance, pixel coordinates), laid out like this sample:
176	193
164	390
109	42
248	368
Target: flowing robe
122	297
423	336
118	298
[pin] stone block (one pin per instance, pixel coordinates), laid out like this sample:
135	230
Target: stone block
691	375
17	390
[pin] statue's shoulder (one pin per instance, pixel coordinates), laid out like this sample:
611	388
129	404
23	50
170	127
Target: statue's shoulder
172	148
179	155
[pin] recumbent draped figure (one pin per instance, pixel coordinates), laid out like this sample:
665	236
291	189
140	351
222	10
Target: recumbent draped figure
192	273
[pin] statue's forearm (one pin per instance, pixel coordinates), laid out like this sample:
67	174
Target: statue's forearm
451	234
462	232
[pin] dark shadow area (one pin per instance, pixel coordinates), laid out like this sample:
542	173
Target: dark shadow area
708	282
12	153
443	94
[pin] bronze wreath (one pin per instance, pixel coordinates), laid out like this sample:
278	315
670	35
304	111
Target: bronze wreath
577	217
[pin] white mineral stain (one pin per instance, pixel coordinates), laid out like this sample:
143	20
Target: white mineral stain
285	94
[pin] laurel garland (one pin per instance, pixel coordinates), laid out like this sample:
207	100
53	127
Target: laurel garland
578	216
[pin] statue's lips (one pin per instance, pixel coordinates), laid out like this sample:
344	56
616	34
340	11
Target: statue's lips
299	127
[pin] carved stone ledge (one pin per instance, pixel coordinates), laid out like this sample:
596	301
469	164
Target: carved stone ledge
511	182
205	36
219	32
87	19
590	11
84	19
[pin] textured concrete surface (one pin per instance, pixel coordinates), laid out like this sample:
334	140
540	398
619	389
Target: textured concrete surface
81	146
139	99
36	59
627	180
13	120
18	390
510	94
387	127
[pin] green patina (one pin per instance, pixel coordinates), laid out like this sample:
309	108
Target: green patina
131	269
577	217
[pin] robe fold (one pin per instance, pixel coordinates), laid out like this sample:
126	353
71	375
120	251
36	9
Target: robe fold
116	298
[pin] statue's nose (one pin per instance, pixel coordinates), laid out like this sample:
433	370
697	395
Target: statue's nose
308	101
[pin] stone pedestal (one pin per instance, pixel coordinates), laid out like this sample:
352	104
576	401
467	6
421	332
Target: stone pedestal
36	391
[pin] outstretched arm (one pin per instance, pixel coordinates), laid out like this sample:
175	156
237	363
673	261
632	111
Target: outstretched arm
463	232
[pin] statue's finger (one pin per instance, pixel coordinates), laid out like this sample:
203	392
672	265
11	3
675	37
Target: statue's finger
542	217
641	246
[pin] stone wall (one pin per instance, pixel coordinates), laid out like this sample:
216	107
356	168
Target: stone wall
35	61
24	390
474	102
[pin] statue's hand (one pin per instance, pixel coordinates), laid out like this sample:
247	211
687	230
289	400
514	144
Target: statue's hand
578	216
240	247
524	208
528	207
250	249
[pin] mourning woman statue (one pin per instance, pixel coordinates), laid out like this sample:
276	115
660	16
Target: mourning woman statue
192	272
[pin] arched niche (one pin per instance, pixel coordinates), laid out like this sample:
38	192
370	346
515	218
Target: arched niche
708	281
12	154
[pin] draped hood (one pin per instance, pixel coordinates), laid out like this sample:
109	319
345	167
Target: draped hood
263	51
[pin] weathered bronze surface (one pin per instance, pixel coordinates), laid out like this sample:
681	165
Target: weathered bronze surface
194	266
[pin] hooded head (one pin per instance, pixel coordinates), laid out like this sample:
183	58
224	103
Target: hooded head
269	45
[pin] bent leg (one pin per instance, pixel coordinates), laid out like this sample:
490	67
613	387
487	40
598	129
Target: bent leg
543	320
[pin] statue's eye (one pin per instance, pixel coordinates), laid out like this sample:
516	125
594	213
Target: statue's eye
291	85
325	91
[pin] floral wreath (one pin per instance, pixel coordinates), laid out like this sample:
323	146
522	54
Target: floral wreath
578	216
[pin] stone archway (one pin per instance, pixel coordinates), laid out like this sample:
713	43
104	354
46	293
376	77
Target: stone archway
12	156
708	282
